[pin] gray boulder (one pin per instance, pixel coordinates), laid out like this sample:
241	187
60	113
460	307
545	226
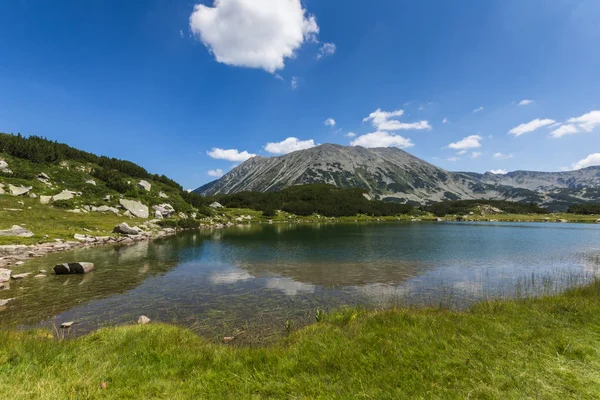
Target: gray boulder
143	320
144	185
17	231
64	195
216	205
73	268
45	199
136	208
163	195
158	215
21	276
104	209
19	190
5	275
125	229
4	302
91	182
165	209
4	167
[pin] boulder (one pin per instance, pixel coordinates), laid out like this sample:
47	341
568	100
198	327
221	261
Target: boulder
91	182
158	215
33	196
19	190
64	195
45	199
44	176
136	208
216	205
598	221
4	302
165	209
13	249
104	209
38	276
144	185
21	276
73	268
125	229
4	167
183	215
66	325
107	197
5	275
163	195
143	320
17	231
84	238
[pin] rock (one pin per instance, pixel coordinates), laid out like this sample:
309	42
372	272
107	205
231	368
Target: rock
40	276
4	302
163	195
73	268
216	205
125	229
21	276
563	221
107	197
43	271
17	231
5	275
135	208
158	215
104	209
183	215
91	182
66	325
19	190
18	263
165	209
228	339
144	185
439	219
44	176
598	221
45	199
143	320
13	249
2	189
4	167
64	195
84	238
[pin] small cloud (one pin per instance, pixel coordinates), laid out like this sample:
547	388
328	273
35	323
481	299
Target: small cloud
382	139
445	121
476	154
289	145
498	171
180	33
350	134
453	159
531	126
589	161
383	121
470	142
330	122
478	110
294	83
326	49
564	130
216	173
502	156
587	122
229	155
279	77
462	152
525	102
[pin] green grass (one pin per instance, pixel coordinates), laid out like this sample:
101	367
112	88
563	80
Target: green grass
545	348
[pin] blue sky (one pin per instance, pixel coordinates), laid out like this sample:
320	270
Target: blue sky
167	84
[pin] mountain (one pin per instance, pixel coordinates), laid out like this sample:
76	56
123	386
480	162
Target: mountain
392	174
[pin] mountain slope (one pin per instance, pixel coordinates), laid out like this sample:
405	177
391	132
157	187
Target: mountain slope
395	175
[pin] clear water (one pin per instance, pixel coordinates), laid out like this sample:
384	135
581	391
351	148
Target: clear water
250	280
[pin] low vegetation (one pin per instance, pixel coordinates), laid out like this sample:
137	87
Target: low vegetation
544	348
585	209
462	207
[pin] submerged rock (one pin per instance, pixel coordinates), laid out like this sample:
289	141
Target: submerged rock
17	231
73	268
136	208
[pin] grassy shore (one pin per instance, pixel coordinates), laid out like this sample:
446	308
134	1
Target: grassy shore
545	348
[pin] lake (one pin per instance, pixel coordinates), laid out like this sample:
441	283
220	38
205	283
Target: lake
249	280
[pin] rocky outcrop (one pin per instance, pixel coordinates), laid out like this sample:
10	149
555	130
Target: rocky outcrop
17	231
136	208
19	190
73	268
144	185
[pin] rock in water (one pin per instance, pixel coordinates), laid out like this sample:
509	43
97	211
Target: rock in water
136	208
143	320
144	185
73	268
17	231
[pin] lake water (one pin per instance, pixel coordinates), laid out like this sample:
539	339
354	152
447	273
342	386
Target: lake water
250	280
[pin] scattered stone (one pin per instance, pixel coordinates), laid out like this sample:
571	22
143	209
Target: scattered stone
165	209
17	231
2	189
143	320
91	182
45	199
84	238
136	208
64	195
183	215
107	197
40	276
44	176
144	185
125	229
563	221
104	209
19	190
66	325
4	302
43	271
216	204
5	275
4	167
20	263
158	215
21	276
598	221
228	339
163	195
73	268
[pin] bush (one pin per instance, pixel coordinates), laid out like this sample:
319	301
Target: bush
64	204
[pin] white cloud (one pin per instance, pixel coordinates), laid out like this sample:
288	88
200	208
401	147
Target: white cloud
470	142
478	109
587	122
476	154
498	171
453	159
253	34
462	152
217	173
288	145
445	121
229	155
382	139
330	122
589	161
502	156
327	49
350	134
383	121
525	102
564	130
180	33
531	126
294	82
